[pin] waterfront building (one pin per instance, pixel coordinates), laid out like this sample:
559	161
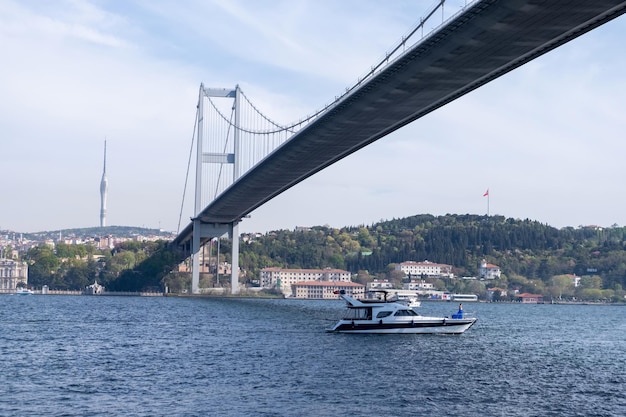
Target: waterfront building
425	269
283	279
377	284
527	298
488	271
12	272
418	286
94	289
326	290
492	291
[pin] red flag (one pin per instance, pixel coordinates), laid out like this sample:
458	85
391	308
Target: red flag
486	193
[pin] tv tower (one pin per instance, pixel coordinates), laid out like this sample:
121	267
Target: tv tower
104	188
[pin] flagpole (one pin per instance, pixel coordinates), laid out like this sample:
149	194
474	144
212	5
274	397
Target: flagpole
487	195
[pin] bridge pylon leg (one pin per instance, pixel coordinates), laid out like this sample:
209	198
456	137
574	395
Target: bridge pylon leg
203	232
234	280
195	258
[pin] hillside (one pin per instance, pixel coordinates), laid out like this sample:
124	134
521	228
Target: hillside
529	253
87	232
532	256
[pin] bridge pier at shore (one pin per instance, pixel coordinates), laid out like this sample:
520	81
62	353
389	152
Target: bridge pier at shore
203	232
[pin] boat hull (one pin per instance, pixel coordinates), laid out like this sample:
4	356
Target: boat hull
436	326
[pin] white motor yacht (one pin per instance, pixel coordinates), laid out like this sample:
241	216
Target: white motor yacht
382	316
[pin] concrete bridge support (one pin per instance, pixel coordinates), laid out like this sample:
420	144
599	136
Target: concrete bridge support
204	232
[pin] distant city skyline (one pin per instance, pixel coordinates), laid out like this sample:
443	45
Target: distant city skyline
546	138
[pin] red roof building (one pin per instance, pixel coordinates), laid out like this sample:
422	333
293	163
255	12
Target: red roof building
527	298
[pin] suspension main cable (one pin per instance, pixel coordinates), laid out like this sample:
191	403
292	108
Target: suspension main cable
193	138
230	123
259	112
290	128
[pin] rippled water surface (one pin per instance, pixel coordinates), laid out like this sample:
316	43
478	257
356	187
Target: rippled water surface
143	356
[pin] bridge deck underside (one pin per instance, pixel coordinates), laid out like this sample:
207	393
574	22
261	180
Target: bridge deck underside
488	40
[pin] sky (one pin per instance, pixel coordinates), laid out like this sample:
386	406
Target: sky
546	140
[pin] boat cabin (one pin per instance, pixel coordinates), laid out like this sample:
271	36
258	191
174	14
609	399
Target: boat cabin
378	312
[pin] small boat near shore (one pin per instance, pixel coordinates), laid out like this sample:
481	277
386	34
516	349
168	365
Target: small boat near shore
24	291
383	316
412	302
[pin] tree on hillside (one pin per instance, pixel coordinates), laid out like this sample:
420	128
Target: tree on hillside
43	265
563	286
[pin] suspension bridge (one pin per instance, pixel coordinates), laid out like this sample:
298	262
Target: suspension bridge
244	158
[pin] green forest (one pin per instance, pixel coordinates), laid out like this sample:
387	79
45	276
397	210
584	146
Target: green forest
130	266
532	256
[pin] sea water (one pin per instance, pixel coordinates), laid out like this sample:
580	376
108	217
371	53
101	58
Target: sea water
157	356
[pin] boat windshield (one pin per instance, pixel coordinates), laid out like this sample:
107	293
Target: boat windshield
405	313
360	313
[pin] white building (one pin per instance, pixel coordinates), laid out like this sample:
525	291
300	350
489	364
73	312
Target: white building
326	290
488	271
12	272
575	280
418	286
283	279
426	268
379	285
94	289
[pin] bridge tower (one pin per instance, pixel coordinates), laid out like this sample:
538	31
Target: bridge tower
203	231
